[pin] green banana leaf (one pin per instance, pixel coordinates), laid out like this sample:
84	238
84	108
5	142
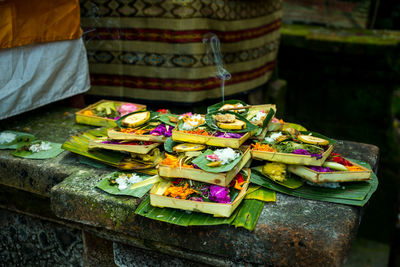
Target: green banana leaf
291	181
252	188
260	193
169	145
246	215
98	132
210	122
91	162
356	193
257	132
269	117
331	141
153	116
202	162
53	152
20	139
105	185
295	126
150	171
164	118
79	144
217	106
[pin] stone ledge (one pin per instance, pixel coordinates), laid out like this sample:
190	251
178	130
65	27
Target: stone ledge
27	241
51	123
36	176
344	40
290	231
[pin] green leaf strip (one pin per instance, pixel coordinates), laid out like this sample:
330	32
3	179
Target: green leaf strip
355	193
211	123
201	161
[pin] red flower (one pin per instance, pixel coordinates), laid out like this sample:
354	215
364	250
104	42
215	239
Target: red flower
163	111
339	159
176	181
237	182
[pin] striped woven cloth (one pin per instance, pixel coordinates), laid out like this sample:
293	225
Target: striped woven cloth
153	50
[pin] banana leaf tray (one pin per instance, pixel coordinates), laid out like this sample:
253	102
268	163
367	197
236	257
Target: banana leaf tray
139	149
117	135
288	158
297	159
82	118
209	140
329	177
158	199
222	179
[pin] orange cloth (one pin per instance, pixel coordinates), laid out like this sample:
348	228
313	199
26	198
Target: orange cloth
36	21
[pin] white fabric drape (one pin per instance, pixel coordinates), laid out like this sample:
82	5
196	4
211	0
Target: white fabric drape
35	75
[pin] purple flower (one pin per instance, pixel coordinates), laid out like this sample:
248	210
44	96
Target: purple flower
305	152
219	194
320	169
195	166
317	156
228	135
301	152
196	199
162	130
113	142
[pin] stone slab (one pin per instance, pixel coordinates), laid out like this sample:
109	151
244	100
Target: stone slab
368	253
27	241
97	251
51	123
128	256
290	231
25	202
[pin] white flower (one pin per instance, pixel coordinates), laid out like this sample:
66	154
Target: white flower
226	155
272	138
125	180
134	179
192	122
7	138
259	115
42	146
122	183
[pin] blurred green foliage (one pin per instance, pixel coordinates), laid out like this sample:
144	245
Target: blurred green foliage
388	16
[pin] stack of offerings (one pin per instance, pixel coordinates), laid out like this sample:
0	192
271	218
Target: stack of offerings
302	164
202	168
308	155
138	133
201	160
204	162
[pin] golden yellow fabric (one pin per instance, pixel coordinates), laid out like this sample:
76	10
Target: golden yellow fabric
36	21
